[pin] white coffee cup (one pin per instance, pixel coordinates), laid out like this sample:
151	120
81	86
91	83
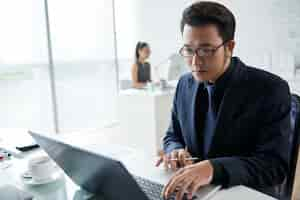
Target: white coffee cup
41	168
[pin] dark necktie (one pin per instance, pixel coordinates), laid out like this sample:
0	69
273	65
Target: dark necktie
210	121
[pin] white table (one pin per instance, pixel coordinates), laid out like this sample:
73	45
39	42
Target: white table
65	189
144	117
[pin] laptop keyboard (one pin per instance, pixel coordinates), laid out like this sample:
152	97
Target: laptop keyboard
153	190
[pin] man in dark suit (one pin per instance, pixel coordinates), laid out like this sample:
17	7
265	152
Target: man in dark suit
233	117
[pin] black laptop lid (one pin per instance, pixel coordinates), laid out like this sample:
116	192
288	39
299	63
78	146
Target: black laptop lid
95	173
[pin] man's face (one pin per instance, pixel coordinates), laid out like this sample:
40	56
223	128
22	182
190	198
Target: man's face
206	68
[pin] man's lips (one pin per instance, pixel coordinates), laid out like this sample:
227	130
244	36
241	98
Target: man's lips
199	71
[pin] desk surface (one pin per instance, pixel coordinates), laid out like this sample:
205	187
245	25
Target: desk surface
156	91
146	92
65	189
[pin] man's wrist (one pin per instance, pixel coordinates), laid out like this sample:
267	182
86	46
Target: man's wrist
220	176
207	171
211	170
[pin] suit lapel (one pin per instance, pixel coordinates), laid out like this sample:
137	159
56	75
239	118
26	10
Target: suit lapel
193	88
230	104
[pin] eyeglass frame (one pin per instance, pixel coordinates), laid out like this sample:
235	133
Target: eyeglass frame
211	51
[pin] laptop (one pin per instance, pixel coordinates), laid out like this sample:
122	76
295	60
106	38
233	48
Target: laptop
102	174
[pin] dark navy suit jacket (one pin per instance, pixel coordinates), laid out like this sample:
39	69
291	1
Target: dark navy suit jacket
250	142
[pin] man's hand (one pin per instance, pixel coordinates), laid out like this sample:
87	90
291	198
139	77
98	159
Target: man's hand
188	180
175	160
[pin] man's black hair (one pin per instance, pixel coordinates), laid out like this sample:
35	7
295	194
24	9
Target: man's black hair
205	13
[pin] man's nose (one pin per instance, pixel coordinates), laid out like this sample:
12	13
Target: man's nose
196	60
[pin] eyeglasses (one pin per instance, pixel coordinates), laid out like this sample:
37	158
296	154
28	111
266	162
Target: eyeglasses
186	51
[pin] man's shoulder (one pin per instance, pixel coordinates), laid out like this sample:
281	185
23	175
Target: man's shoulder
262	80
262	75
185	79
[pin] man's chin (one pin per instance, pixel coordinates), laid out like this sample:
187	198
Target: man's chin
200	78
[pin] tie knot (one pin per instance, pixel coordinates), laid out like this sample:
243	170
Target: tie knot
210	89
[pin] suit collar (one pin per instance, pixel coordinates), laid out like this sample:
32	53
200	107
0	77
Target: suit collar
230	104
191	81
227	108
221	82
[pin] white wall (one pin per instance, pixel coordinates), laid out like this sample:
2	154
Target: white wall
156	22
267	35
267	27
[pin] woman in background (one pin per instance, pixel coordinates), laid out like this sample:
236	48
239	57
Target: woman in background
141	72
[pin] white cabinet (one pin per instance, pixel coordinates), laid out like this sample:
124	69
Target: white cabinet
144	117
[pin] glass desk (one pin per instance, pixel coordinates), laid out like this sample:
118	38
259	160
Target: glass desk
61	189
65	189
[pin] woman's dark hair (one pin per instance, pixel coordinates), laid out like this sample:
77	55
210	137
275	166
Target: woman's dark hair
138	47
206	12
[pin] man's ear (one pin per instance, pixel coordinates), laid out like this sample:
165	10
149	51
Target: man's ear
229	48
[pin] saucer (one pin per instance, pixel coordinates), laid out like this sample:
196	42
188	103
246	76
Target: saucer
28	180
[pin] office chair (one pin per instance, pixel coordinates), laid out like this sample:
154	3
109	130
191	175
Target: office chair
286	189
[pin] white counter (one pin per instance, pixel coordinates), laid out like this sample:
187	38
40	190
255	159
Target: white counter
144	117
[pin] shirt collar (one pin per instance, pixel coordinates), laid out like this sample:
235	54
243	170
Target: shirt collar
222	81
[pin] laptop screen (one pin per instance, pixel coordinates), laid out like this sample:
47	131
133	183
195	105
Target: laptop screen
95	173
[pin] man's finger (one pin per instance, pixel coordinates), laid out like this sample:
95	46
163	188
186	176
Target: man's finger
174	155
181	158
185	185
166	161
189	162
173	165
166	187
194	187
174	182
160	160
